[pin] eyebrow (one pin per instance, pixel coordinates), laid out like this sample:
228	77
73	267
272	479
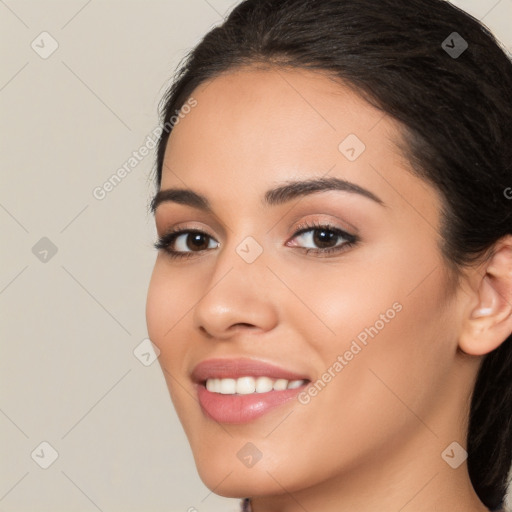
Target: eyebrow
276	196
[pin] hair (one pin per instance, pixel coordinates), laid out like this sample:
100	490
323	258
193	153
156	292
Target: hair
455	113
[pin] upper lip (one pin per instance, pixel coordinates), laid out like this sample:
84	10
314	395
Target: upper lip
241	367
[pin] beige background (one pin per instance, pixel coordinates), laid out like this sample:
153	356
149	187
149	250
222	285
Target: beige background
70	323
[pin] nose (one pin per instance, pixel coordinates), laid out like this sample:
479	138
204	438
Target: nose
237	296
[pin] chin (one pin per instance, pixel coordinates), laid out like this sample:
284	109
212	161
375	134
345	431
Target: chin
240	483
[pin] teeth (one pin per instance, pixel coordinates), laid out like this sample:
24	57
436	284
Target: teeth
245	385
264	384
227	386
280	384
249	385
295	384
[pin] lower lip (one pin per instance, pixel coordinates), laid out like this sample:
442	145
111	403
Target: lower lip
242	408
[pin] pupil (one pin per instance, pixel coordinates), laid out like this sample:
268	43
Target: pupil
324	238
198	242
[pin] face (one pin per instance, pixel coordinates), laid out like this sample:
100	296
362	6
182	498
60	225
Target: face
341	289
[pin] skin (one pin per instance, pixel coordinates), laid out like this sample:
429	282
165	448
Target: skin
372	439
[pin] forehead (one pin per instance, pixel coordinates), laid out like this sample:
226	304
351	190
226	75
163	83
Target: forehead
280	106
258	127
277	113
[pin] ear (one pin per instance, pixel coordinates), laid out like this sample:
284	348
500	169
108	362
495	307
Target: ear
488	322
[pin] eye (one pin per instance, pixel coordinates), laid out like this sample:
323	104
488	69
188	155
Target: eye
328	239
183	243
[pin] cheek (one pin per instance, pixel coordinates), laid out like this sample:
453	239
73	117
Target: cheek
157	303
166	307
365	291
391	323
340	300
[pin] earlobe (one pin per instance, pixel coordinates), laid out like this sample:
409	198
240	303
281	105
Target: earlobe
489	322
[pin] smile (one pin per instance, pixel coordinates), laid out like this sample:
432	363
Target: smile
242	390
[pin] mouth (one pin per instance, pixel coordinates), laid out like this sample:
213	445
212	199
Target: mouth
242	390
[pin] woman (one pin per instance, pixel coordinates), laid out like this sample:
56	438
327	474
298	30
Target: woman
332	297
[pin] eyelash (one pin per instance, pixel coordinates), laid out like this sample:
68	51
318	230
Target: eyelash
164	242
